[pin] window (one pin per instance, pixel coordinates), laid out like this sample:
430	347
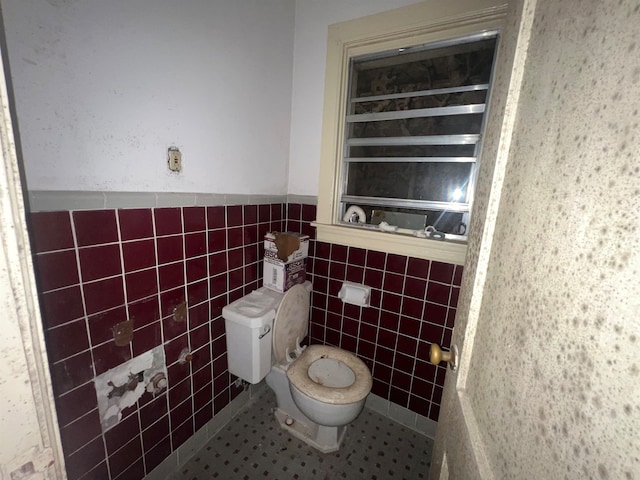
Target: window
413	126
404	113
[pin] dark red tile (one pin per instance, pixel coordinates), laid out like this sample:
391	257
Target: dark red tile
424	370
194	219
217	328
67	340
82	431
357	256
202	416
402	374
155	433
94	227
170	299
50	231
218	285
337	270
125	457
181	434
264	213
201	358
250	234
393	282
398	396
308	213
384	355
235	237
421	388
294	211
431	333
387	339
219	345
109	355
179	393
380	388
441	272
217	240
76	403
418	267
250	213
154	456
373	278
195	245
457	276
407	345
168	221
419	405
134	472
56	269
101	324
135	223
412	307
320	267
175	347
396	263
391	302
199	314
435	313
172	329
197	292
438	293
170	249
323	250
234	216
376	259
235	258
276	212
415	287
216	306
99	262
181	413
446	338
71	372
453	299
85	459
434	412
338	253
138	255
451	317
218	263
171	276
366	349
122	433
348	343
141	284
216	217
409	326
153	411
103	294
370	315
199	337
147	338
144	312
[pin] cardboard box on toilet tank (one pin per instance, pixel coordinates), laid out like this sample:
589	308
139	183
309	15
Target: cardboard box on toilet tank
285	260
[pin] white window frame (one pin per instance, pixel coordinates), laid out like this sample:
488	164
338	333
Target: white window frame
421	23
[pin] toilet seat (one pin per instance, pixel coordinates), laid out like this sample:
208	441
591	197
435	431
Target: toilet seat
290	326
298	374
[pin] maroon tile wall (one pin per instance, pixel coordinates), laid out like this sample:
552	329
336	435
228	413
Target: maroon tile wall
98	268
413	305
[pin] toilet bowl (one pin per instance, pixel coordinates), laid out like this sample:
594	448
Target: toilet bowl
319	389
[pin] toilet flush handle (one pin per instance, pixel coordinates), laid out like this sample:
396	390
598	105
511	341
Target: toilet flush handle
266	330
436	355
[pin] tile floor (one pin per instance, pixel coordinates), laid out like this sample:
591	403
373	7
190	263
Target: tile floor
253	446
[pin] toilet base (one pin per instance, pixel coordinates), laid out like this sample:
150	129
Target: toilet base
324	439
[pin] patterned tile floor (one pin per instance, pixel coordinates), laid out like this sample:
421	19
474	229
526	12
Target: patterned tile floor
252	445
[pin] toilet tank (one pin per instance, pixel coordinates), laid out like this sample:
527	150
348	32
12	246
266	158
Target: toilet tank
248	323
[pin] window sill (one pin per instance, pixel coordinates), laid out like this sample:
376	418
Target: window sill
429	249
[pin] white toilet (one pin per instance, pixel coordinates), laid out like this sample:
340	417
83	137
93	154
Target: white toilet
319	389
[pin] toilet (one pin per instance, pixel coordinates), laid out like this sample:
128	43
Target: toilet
319	389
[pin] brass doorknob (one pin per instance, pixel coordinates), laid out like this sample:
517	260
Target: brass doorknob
436	355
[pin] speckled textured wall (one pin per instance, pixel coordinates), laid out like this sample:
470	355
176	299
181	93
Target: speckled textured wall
555	382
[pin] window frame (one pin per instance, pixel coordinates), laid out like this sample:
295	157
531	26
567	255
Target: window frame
422	23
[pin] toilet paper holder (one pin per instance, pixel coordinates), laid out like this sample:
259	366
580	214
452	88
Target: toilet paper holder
355	294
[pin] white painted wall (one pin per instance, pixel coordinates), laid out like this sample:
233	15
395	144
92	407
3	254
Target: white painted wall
311	22
104	87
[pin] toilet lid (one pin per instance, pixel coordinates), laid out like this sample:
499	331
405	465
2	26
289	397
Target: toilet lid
291	322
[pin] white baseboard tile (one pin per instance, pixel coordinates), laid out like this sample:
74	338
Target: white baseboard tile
403	416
